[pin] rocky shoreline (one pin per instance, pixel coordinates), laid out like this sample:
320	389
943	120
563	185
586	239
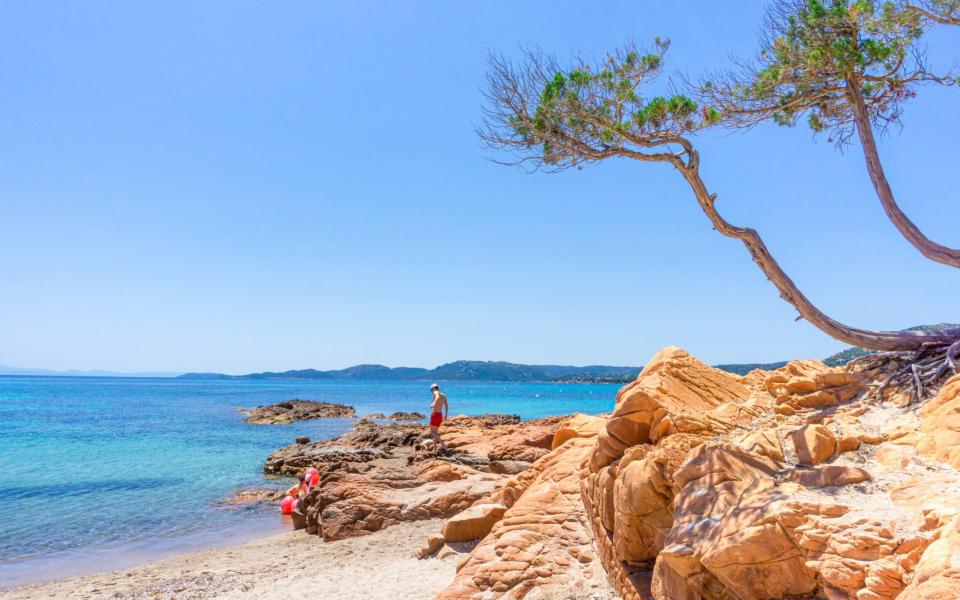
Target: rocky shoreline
796	482
802	482
379	475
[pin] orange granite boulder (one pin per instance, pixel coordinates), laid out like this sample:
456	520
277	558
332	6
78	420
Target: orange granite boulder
579	425
386	492
772	502
542	544
762	442
675	393
937	574
473	523
643	501
379	475
725	535
814	444
808	384
940	425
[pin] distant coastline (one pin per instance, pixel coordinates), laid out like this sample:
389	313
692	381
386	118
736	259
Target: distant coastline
461	370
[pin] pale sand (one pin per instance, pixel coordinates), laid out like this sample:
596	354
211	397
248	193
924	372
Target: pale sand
289	565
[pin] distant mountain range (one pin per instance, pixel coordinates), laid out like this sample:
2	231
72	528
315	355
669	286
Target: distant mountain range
461	370
747	367
7	370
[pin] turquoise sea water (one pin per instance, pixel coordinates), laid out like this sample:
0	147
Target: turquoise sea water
105	473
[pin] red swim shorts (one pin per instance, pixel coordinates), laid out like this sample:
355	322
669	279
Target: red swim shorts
436	419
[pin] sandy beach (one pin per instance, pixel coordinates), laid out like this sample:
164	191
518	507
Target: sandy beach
382	565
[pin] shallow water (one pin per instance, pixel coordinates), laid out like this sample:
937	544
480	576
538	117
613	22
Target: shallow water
105	473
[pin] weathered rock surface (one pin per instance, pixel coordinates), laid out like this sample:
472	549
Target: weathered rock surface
810	384
937	574
378	475
578	425
371	496
473	523
700	485
940	425
814	444
707	486
294	459
298	410
500	439
542	546
675	393
508	467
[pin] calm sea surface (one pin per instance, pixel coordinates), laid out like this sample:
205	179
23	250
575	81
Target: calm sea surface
106	473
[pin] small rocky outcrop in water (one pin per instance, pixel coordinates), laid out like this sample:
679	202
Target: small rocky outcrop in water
254	496
298	410
406	416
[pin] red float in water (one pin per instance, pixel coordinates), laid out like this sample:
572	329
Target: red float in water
287	504
315	480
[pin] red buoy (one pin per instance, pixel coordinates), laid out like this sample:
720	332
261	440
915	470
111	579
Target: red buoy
286	505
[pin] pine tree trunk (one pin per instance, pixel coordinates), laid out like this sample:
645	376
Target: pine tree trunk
904	225
863	338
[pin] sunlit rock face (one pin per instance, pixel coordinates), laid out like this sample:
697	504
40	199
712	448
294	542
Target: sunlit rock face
779	484
379	475
542	546
675	393
702	485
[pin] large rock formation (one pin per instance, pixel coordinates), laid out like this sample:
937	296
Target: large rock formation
298	410
700	485
940	425
379	475
359	499
542	546
675	393
703	485
473	523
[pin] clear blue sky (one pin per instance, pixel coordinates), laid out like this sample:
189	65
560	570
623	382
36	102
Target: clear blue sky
237	186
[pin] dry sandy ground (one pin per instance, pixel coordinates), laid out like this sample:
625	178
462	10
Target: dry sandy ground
289	565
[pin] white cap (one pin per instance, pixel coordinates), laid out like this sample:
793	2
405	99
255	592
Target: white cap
435	386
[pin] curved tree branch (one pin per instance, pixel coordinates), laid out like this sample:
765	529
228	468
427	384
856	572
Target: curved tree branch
906	227
863	338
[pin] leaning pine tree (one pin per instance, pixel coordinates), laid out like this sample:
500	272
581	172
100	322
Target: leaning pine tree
549	118
847	65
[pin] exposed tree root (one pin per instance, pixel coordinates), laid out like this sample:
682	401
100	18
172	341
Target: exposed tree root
919	373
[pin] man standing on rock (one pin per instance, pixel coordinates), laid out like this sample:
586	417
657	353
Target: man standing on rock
437	417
